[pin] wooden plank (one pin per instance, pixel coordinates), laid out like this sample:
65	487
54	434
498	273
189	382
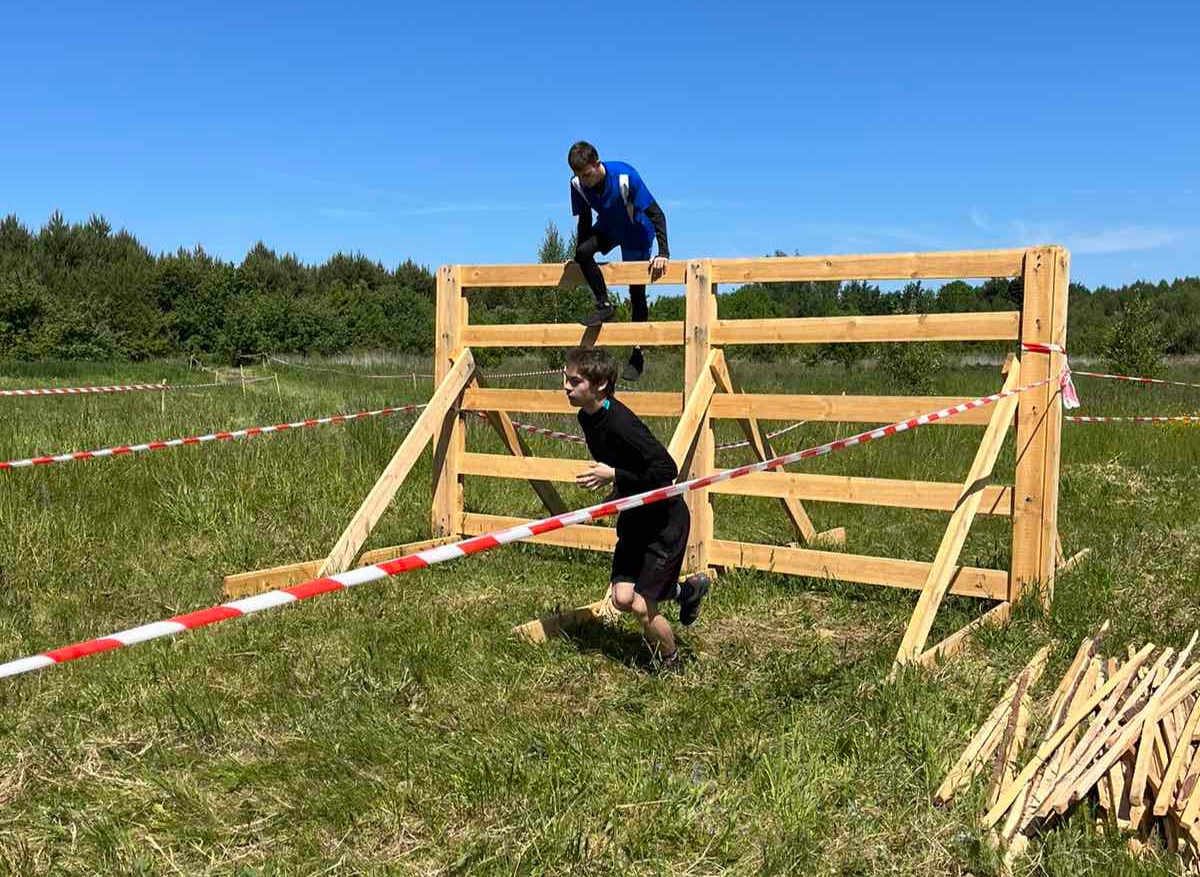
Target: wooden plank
969	581
891	492
568	274
975	750
586	536
243	584
643	404
738	406
695	409
558	623
1009	793
986	326
954	643
850	409
1179	758
1039	423
945	562
882	266
451	440
440	406
698	381
662	334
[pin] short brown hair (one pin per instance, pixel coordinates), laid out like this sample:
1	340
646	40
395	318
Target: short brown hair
595	364
581	155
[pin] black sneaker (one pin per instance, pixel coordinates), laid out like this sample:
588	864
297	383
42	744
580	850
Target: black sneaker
635	367
691	593
602	314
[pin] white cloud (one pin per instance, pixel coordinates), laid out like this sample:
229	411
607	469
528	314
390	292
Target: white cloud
1125	239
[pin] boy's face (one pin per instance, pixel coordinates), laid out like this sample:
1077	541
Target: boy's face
579	390
590	175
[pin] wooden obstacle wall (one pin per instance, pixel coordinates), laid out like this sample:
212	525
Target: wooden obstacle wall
1030	501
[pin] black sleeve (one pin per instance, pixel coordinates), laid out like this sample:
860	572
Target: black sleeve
656	468
584	229
659	220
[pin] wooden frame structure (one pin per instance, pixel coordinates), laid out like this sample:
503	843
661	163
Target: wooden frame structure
1031	501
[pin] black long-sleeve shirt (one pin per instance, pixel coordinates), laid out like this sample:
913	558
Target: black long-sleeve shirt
616	437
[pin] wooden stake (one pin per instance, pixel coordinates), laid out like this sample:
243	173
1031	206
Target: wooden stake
960	523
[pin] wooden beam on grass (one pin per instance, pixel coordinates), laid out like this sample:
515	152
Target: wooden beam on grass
558	623
945	562
244	584
440	406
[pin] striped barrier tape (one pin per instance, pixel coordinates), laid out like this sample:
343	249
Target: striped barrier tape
473	545
81	391
121	450
1181	418
407	376
1136	380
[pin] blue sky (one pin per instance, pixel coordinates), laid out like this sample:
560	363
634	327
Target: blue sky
440	133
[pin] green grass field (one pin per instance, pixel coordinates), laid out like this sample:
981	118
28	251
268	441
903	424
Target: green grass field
399	729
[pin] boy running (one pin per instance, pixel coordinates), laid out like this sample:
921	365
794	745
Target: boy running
651	539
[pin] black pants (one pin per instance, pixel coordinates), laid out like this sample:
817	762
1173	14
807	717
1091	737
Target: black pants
585	257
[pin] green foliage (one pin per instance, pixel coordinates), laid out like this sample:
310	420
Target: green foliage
85	291
1134	343
913	366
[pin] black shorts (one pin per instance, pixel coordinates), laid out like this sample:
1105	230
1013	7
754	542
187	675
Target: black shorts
653	565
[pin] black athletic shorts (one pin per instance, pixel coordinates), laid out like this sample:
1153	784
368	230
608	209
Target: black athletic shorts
651	556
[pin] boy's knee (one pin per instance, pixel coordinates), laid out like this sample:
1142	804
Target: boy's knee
586	250
623	596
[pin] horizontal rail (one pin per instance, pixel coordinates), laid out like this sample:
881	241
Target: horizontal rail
664	334
985	326
737	406
894	493
588	536
880	266
968	581
938	496
567	274
972	264
644	404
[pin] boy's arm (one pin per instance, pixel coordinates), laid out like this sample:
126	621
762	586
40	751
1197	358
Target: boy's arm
659	220
659	470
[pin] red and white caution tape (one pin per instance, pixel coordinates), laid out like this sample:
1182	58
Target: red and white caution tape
474	545
1070	397
1034	347
407	376
1136	380
201	439
1182	418
80	391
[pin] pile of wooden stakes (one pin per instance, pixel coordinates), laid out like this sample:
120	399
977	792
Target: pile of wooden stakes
1122	734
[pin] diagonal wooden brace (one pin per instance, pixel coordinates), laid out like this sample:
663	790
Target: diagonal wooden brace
444	399
945	564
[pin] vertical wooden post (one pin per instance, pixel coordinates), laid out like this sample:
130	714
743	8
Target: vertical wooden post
1039	423
451	442
699	318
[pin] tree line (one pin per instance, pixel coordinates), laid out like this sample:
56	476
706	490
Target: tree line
84	291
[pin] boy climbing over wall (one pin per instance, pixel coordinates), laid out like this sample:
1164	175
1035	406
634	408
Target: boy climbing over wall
651	539
626	216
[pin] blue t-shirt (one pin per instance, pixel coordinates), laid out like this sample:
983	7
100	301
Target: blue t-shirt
625	224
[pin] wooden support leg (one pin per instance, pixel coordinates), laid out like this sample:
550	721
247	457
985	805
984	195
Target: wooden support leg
440	407
515	445
945	564
806	533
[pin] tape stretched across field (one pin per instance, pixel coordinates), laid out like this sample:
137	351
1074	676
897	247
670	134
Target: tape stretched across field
130	388
121	450
476	544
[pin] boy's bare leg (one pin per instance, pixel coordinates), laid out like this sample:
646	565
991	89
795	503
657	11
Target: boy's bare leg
655	627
